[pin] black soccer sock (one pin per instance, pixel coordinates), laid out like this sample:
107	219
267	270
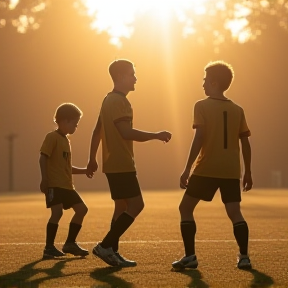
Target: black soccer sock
74	229
241	233
122	223
51	231
188	231
115	245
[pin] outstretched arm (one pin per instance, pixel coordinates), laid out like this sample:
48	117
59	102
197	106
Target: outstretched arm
194	151
246	152
77	170
95	141
129	133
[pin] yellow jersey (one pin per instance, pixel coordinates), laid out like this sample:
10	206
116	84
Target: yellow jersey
224	124
117	153
59	168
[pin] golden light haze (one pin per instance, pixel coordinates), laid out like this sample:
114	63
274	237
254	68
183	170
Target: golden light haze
66	61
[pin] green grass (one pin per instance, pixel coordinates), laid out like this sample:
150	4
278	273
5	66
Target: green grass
154	241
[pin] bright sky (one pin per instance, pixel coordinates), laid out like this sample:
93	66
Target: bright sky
117	17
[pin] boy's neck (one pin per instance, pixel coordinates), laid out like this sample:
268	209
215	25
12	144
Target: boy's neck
219	96
61	132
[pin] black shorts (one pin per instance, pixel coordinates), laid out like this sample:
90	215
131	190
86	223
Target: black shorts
67	197
204	188
123	185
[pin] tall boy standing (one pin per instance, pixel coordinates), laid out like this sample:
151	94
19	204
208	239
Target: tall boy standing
115	128
219	124
57	184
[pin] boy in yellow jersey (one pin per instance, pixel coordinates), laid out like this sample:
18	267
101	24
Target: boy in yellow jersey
219	125
57	184
115	129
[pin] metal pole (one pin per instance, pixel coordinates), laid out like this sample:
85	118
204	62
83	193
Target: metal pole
11	138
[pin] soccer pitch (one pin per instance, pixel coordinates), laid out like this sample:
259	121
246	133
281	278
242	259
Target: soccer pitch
154	241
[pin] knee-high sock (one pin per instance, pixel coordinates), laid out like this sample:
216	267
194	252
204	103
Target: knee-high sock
51	231
241	233
115	245
188	231
122	223
74	229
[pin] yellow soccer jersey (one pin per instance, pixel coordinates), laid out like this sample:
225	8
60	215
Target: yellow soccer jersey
59	167
117	153
224	123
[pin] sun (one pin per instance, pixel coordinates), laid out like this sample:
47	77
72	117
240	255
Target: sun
117	17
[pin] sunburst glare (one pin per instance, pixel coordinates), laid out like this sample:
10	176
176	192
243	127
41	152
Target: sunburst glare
117	17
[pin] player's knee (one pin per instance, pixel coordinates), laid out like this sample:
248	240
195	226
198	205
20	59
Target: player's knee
183	208
85	210
56	215
82	211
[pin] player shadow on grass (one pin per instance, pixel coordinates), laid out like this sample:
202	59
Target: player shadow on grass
105	275
260	279
21	277
196	276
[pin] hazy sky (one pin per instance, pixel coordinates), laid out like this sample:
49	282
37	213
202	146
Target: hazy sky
65	61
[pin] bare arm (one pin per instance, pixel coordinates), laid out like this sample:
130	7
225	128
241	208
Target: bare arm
44	175
129	133
246	152
95	141
76	170
194	151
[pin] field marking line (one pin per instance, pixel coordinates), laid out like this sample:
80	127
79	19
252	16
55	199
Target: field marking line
155	241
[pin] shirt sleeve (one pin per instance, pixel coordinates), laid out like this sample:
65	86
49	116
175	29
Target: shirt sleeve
121	110
198	116
244	130
48	144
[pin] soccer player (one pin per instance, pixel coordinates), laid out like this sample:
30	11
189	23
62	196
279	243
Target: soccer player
219	125
57	184
115	130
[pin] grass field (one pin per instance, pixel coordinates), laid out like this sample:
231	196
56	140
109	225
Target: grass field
154	241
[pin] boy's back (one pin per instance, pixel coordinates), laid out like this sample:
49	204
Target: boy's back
224	123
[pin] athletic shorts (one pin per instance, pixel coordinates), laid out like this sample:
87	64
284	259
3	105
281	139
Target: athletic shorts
67	197
123	185
204	188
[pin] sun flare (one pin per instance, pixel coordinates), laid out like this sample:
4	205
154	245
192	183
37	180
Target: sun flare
116	17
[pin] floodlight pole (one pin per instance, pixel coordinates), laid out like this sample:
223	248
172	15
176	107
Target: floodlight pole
11	138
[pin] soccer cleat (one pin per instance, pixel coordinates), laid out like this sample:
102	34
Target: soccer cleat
243	262
74	249
186	262
51	252
107	255
125	262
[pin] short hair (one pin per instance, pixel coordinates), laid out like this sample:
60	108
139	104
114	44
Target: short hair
119	67
221	72
67	111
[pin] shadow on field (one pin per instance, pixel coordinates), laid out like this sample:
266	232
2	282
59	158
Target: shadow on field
21	277
260	279
104	275
196	278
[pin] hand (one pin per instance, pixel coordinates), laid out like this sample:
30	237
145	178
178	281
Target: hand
44	186
91	168
164	136
184	179
247	182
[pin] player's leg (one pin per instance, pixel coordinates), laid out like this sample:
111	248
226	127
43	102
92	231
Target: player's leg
126	193
120	206
199	188
134	206
74	201
50	250
188	231
231	197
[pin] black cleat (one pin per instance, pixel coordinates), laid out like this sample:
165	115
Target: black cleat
51	252
74	249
